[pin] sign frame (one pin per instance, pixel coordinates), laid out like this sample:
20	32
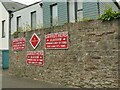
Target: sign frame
33	63
58	48
18	40
31	42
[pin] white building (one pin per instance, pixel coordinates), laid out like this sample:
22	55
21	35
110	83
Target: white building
6	7
4	28
27	18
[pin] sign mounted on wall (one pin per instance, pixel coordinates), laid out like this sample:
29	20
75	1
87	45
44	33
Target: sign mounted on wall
35	58
34	41
18	44
57	40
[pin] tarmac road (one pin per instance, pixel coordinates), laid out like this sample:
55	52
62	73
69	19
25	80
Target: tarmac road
0	78
13	82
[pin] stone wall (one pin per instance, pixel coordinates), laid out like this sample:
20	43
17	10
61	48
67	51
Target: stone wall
91	61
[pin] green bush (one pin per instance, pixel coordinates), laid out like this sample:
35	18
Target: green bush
110	15
18	31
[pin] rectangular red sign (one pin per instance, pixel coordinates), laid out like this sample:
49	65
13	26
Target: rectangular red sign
18	44
57	40
35	58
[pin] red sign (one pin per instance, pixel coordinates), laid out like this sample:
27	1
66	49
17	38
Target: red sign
18	44
57	40
34	41
35	58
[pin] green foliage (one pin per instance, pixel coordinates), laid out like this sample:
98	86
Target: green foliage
109	14
15	33
27	28
88	19
18	31
40	25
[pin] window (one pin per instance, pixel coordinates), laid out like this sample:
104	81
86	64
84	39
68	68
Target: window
33	20
79	5
54	14
18	23
79	10
3	29
71	8
75	10
79	15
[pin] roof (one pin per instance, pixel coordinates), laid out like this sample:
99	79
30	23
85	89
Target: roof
39	2
117	4
11	5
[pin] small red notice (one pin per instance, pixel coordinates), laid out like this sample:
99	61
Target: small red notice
57	40
34	41
18	44
35	58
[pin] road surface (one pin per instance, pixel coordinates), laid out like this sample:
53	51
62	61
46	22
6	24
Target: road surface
14	82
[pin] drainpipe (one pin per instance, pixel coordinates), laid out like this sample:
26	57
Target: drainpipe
75	11
98	4
10	17
68	11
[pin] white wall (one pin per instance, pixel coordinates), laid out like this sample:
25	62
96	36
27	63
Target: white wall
4	15
71	11
26	17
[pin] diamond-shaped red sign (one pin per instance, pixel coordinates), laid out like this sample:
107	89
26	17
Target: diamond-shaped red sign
34	41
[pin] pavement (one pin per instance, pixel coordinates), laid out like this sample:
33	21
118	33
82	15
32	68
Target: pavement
9	81
0	78
0	70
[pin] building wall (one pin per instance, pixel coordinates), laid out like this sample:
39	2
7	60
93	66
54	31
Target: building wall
62	12
91	60
46	14
4	43
90	10
26	17
106	5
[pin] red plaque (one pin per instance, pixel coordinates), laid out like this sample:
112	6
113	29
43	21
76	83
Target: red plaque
34	41
35	58
57	40
18	44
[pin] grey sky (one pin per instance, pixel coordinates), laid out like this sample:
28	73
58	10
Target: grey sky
27	2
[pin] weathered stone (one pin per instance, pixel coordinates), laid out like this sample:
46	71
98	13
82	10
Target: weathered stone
91	61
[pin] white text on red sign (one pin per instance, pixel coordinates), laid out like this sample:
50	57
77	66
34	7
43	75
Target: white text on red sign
57	40
35	58
18	44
